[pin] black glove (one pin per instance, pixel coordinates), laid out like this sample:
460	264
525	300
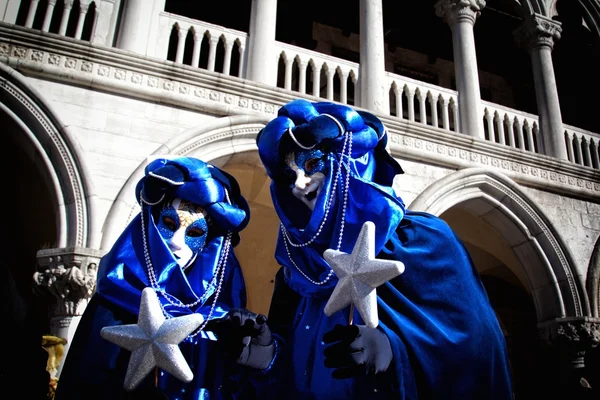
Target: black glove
245	336
356	350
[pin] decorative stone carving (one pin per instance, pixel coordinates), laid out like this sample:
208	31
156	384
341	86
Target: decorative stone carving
68	276
453	10
537	31
527	172
571	337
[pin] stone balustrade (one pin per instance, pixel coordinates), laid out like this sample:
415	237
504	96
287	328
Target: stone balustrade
192	36
423	102
320	70
511	127
215	48
583	147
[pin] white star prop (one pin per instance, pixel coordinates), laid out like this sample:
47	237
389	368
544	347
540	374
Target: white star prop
153	341
359	274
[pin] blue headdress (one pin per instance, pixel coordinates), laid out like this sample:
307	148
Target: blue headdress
358	187
140	258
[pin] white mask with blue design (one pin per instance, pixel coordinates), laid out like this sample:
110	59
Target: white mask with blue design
184	228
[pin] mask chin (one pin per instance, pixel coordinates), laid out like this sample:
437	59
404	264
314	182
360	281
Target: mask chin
309	200
185	258
310	194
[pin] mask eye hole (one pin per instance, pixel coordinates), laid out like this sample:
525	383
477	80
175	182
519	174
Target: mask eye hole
310	164
170	223
195	232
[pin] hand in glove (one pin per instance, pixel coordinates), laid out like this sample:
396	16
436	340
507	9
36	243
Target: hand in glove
245	336
356	350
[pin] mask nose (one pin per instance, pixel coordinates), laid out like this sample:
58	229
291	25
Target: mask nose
302	180
177	241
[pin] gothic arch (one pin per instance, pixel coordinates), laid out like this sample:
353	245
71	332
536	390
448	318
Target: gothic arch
221	138
38	130
593	280
556	289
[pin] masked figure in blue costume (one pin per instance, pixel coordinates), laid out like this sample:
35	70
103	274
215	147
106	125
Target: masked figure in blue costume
181	245
437	338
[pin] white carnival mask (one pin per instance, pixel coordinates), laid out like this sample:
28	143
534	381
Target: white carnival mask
184	228
308	169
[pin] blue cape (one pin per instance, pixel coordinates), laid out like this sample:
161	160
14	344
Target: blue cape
445	338
95	368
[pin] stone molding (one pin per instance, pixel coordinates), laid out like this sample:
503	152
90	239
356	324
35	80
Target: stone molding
528	169
453	11
122	72
74	194
68	277
537	31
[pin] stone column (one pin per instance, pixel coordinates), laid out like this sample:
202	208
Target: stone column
9	10
136	24
461	16
105	25
537	34
83	9
48	15
571	337
33	6
67	277
261	58
373	84
64	20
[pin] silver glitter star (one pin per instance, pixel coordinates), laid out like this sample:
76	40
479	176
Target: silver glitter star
359	274
153	341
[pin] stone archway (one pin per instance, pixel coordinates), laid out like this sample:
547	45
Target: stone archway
220	138
40	133
60	197
229	143
554	296
555	287
593	280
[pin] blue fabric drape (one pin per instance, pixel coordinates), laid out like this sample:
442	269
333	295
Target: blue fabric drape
445	338
95	368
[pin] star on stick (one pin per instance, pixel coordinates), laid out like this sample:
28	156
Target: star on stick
359	273
153	341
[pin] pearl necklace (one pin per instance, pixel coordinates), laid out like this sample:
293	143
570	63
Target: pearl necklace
174	301
287	239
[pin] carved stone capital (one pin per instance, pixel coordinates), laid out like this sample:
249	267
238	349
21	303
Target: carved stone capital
571	337
537	31
68	277
453	11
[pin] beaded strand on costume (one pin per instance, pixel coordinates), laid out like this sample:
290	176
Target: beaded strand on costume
219	271
329	203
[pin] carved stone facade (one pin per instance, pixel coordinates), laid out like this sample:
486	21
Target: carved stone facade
572	337
68	277
538	31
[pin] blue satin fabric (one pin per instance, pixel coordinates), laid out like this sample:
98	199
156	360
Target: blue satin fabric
446	340
200	183
370	195
95	368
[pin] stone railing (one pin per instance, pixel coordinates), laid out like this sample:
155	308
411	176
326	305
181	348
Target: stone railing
200	44
510	127
583	147
422	102
215	48
88	20
309	72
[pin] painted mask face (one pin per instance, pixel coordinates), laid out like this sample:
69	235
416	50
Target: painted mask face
184	228
307	169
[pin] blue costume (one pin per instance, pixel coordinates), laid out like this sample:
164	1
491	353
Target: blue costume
210	284
444	337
